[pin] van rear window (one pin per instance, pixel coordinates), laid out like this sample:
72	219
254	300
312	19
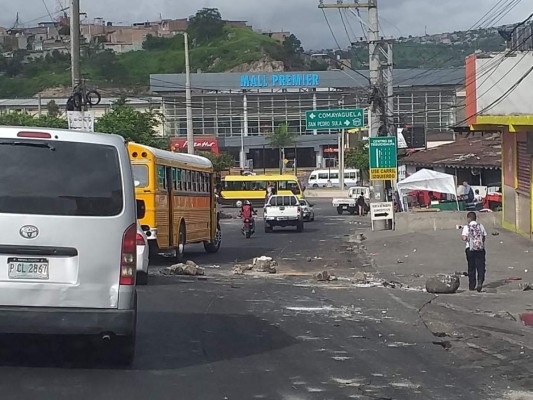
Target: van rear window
59	178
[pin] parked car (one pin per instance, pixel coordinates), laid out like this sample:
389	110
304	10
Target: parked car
308	213
68	244
142	257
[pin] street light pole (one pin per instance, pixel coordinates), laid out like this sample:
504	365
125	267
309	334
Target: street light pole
188	97
75	42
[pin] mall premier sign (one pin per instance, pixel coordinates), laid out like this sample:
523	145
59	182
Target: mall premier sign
279	80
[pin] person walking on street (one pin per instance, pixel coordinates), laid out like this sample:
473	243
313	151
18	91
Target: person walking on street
475	235
361	204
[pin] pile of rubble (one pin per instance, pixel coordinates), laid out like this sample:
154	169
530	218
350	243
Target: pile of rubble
259	264
189	268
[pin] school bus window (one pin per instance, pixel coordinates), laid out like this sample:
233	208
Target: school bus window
161	177
195	181
204	182
189	181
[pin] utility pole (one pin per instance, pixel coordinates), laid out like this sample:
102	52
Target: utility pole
378	105
188	97
244	131
75	42
341	152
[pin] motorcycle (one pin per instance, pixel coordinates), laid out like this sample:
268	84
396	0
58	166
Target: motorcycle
248	226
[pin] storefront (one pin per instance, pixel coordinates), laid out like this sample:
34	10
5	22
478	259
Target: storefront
505	103
242	109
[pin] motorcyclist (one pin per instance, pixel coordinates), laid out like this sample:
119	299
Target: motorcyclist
247	212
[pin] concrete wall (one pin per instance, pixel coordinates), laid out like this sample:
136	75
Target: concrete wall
433	221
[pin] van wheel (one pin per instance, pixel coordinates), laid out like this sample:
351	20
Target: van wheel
212	247
142	278
180	249
268	229
315	185
339	210
300	227
352	211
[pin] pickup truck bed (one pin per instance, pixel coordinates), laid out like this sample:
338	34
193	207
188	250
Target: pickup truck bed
346	204
283	211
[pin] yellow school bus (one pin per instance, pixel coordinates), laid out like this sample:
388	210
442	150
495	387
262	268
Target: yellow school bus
254	187
178	191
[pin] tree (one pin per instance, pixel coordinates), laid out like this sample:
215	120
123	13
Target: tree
221	162
64	30
293	46
206	25
282	138
358	157
25	119
133	125
53	109
293	50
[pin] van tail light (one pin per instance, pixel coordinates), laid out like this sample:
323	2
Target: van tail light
35	135
140	240
128	258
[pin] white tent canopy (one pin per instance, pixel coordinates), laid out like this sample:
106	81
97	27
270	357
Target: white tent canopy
428	180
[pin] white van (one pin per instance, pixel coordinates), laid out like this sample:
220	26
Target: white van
320	177
68	236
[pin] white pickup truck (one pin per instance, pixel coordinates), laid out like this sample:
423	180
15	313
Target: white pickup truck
283	210
349	203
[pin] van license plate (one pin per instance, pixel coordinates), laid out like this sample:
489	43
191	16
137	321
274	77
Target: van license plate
27	268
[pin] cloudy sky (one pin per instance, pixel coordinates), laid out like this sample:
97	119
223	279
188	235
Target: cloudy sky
302	17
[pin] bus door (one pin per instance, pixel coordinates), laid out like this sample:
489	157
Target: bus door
170	199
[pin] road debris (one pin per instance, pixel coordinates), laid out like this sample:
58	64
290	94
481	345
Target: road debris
360	277
526	286
392	284
443	283
264	264
189	268
325	276
240	269
398	261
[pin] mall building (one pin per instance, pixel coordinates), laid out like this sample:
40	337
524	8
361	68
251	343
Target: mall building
231	110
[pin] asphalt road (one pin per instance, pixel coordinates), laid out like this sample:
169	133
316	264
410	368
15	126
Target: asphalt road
280	336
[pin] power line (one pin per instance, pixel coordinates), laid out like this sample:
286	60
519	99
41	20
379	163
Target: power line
330	29
496	9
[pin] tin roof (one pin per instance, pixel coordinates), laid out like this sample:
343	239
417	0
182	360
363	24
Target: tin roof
466	152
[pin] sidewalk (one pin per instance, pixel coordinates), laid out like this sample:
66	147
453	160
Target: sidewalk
411	258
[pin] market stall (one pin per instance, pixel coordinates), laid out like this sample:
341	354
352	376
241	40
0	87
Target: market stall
430	181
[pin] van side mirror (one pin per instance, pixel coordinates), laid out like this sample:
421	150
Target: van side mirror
141	209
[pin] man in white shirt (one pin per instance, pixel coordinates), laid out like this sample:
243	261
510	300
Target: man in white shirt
474	234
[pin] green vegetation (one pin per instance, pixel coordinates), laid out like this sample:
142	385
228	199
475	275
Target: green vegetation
282	138
132	70
221	162
134	126
358	157
409	54
206	25
25	119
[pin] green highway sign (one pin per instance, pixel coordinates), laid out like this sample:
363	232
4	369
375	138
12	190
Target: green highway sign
335	119
383	158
